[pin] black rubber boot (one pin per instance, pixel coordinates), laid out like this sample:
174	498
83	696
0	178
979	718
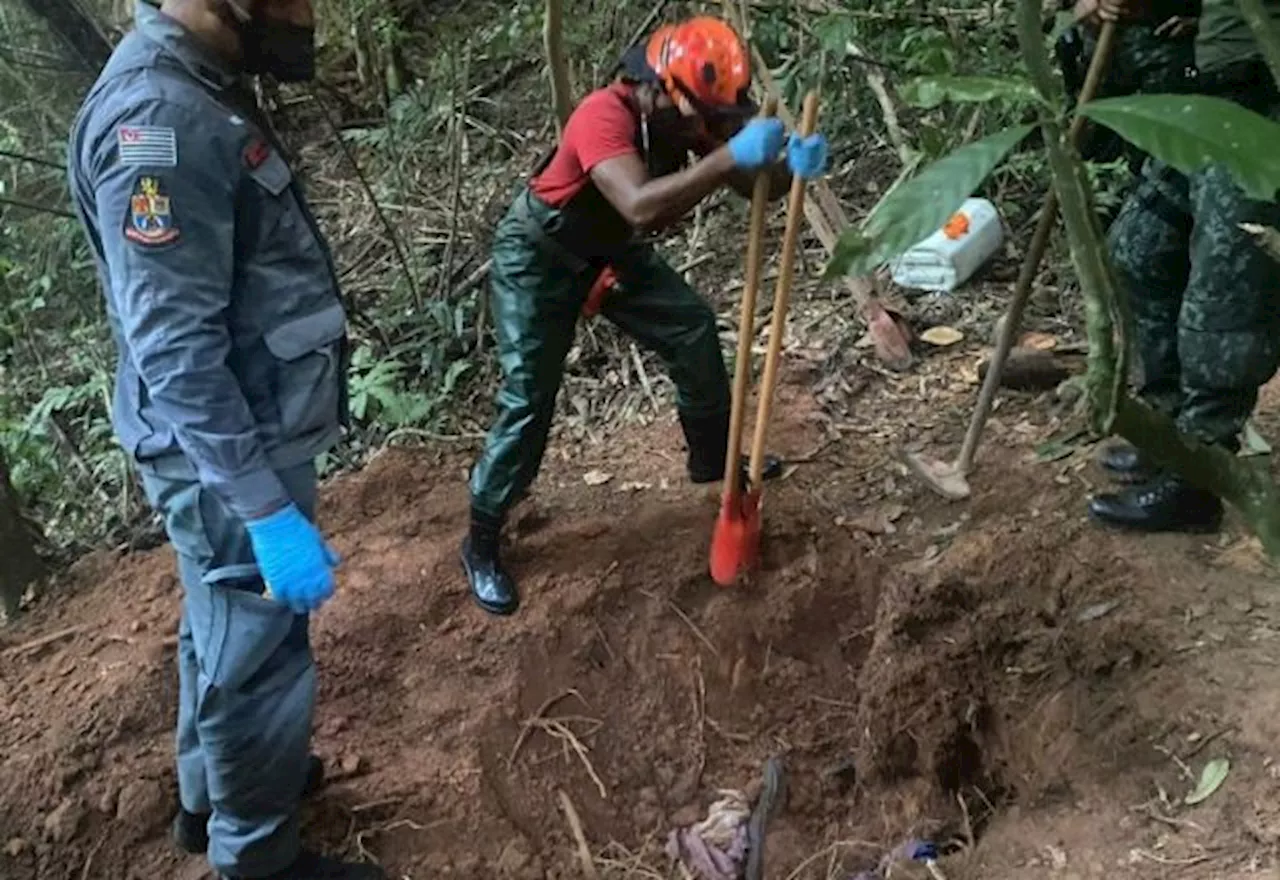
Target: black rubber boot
708	439
1165	504
191	830
311	866
493	589
1127	464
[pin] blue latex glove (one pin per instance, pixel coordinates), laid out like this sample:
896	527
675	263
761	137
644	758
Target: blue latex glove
758	144
807	157
295	562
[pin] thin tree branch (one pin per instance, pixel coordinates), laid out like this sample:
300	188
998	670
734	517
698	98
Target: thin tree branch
647	23
52	63
373	199
553	45
34	206
34	160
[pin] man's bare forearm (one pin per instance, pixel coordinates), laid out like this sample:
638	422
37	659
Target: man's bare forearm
664	200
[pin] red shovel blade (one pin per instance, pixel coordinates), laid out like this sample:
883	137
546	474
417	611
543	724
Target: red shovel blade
735	545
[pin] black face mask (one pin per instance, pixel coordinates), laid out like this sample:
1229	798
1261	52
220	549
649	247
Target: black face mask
673	129
282	49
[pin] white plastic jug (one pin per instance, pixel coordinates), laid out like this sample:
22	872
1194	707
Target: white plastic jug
949	257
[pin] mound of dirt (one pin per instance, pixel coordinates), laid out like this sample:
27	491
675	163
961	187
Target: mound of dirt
904	698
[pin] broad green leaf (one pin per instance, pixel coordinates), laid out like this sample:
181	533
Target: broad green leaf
919	207
928	92
1211	778
1190	132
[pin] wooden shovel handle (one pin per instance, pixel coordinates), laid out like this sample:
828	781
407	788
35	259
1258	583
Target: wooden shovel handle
1012	325
781	299
747	323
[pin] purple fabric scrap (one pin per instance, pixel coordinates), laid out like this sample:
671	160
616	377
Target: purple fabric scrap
705	860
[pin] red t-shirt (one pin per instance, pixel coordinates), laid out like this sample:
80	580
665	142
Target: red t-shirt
602	127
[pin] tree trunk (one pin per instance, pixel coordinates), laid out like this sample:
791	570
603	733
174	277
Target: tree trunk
22	564
553	42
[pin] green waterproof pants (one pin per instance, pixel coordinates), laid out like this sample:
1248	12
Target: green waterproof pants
1205	296
536	300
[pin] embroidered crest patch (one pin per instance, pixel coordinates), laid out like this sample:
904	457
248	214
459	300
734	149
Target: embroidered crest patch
150	219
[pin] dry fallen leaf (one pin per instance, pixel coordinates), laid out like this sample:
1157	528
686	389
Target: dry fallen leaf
1039	341
942	335
871	523
596	478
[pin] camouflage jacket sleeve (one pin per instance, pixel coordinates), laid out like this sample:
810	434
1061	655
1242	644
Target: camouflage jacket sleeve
164	184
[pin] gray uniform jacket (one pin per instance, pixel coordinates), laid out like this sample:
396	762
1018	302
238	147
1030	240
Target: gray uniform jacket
220	289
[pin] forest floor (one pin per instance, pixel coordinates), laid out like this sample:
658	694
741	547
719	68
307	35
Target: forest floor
1035	694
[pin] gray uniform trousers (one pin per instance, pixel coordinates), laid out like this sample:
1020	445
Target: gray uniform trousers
246	680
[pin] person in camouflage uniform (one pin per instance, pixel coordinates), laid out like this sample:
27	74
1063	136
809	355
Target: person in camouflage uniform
1154	53
1205	296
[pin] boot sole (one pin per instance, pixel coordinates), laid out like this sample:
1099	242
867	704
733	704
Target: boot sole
497	610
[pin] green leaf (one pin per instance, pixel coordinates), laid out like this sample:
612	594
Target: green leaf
1211	778
928	92
1063	20
1189	132
1059	447
921	206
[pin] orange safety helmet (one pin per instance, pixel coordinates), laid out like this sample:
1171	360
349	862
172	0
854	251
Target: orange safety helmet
703	64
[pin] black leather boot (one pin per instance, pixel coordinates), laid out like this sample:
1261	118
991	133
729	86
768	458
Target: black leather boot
191	830
1127	464
311	866
1165	504
708	441
491	586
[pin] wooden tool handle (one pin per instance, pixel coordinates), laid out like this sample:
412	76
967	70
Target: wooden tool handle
1102	53
747	323
781	299
1012	325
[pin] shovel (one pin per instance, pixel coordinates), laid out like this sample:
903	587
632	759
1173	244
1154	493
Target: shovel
735	545
950	479
729	525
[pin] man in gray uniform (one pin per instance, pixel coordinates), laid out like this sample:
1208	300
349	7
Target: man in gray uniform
231	333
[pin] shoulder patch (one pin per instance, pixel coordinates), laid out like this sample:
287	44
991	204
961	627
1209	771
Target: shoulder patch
152	145
256	153
149	220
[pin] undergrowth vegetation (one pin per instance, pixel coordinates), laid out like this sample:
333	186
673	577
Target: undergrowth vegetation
425	118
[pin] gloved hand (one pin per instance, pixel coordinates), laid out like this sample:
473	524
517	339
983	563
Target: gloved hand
807	156
758	143
295	562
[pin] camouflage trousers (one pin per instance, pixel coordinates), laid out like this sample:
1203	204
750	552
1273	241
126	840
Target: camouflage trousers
1205	296
1141	63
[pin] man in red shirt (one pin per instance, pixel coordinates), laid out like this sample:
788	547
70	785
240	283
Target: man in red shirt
621	168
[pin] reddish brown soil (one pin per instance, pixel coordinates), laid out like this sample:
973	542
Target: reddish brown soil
997	674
